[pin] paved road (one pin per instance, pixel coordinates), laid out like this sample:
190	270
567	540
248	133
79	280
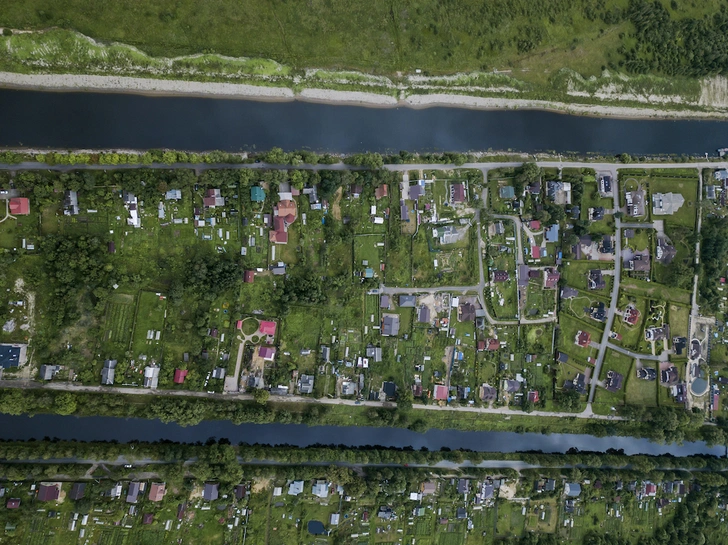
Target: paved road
73	387
662	357
615	296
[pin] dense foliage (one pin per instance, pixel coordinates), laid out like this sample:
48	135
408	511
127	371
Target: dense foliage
713	256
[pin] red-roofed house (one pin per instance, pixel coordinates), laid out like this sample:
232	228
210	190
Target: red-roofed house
493	344
381	191
583	338
440	392
179	375
49	491
267	353
286	210
267	328
536	252
533	396
650	489
631	315
19	206
239	324
481	346
13	503
213	199
534	225
278	237
457	193
249	277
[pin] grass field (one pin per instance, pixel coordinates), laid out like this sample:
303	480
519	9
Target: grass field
150	316
118	324
688	187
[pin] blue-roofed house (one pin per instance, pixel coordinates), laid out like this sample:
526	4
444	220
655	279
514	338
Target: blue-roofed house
257	194
368	273
552	233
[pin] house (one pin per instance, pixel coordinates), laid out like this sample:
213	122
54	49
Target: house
710	192
429	488
385	513
572	490
507	192
647	373
173	195
550	485
607	245
721	175
151	376
596	280
440	392
559	192
389	389
78	491
267	328
457	193
561	357
628	234
552	233
500	276
381	191
355	191
536	252
213	199
334	519
639	261
488	393
631	315
666	204
348	388
326	354
320	489
257	194
70	203
107	373
423	316
384	302
466	312
267	353
157	491
461	513
578	384
523	271
249	277
582	339
211	491
135	488
533	396
653	334
635	203
390	325
492	344
49	491
551	278
407	301
614	381
500	229
665	252
13	503
374	352
19	206
463	486
568	292
219	373
305	384
47	372
295	488
605	186
596	214
148	518
535	188
511	386
240	491
599	312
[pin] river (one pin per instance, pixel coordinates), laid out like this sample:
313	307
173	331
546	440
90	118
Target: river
41	119
125	430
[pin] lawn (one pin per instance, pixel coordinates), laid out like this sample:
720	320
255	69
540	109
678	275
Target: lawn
688	187
655	291
118	324
678	318
568	328
148	325
605	400
638	391
575	274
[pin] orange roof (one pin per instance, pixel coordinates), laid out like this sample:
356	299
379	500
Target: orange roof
286	208
278	237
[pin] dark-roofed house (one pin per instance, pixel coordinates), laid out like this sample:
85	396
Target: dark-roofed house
463	486
390	325
596	280
511	386
12	355
466	312
407	301
500	276
599	312
665	252
614	381
596	214
305	384
457	193
157	491
148	518
211	491
78	491
49	491
47	372
638	262
567	292
389	389
562	357
107	373
488	393
523	275
240	491
135	488
653	334
423	316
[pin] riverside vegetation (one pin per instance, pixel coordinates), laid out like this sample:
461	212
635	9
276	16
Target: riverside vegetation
588	51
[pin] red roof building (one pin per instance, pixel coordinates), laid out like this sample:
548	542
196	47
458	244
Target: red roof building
49	491
536	252
534	225
481	346
19	206
631	316
179	375
249	277
583	338
278	237
381	191
13	503
458	193
533	396
239	324
157	491
440	392
493	344
267	328
551	279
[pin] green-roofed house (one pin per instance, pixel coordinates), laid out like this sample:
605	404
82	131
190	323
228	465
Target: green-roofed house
257	194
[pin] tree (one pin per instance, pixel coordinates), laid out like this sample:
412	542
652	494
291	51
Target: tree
12	402
526	174
65	403
405	399
261	396
619	214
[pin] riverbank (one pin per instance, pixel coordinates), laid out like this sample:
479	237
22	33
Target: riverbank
167	87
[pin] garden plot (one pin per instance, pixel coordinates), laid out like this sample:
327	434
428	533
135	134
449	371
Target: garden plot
118	324
149	326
